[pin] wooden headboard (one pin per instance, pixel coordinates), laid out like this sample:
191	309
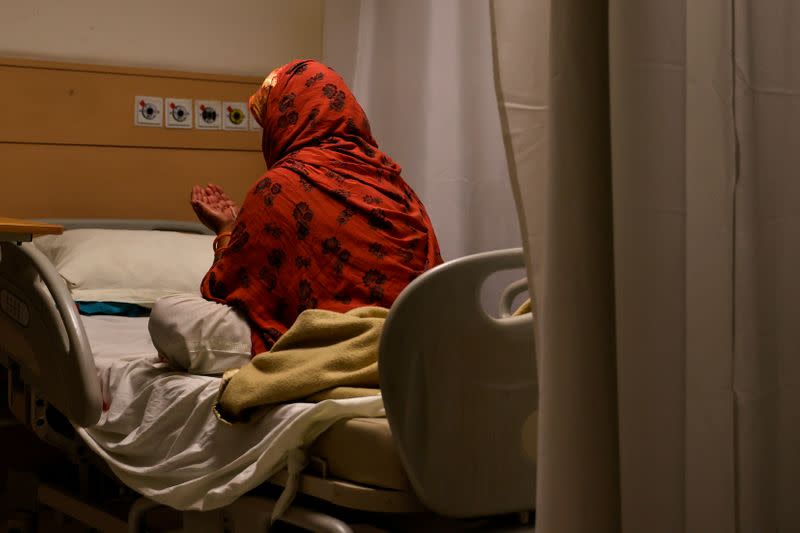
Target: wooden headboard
69	146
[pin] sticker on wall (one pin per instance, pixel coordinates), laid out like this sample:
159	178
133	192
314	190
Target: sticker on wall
179	112
207	114
234	116
148	111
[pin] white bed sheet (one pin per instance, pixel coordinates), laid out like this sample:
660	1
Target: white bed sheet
117	338
158	432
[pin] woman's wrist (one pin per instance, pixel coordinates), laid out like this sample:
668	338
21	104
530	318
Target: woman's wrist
225	228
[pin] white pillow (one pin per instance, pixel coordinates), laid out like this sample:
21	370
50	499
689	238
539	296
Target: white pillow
131	266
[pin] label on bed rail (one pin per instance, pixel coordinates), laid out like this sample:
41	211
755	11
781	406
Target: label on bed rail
14	307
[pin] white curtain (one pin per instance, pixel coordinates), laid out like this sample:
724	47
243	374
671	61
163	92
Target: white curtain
423	72
666	261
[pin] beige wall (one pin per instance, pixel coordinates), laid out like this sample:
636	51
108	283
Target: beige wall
248	37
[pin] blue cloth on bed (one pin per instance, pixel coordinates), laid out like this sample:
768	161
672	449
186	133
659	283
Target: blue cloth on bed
112	308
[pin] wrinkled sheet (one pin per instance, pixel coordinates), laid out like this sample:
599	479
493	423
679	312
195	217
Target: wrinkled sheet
160	436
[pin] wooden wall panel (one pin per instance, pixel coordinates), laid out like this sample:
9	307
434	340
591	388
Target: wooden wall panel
69	147
47	181
43	104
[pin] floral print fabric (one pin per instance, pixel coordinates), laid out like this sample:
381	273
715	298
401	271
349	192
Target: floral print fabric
331	224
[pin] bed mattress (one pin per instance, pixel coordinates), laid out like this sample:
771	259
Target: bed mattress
159	435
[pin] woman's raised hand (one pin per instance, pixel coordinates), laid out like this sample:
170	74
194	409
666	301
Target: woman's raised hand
214	208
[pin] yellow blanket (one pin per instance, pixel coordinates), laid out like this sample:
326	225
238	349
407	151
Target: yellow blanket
323	355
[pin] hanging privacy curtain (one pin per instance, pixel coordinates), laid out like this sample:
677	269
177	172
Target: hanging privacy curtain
661	214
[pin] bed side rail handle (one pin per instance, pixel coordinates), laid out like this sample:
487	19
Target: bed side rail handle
460	390
509	294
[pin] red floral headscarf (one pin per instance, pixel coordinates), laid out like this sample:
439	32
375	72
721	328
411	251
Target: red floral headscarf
331	224
330	111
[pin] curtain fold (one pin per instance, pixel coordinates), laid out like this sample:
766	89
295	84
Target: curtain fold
710	176
571	260
520	41
647	79
578	439
766	293
674	174
648	72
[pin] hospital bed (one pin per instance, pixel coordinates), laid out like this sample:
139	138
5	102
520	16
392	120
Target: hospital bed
456	447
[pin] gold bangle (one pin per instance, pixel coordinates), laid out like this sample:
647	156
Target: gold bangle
215	244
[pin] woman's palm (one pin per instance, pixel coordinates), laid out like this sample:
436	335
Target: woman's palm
213	207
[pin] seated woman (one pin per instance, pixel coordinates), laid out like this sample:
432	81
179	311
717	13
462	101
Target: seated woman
330	225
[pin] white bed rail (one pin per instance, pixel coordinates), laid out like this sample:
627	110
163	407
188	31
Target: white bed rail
42	336
461	391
